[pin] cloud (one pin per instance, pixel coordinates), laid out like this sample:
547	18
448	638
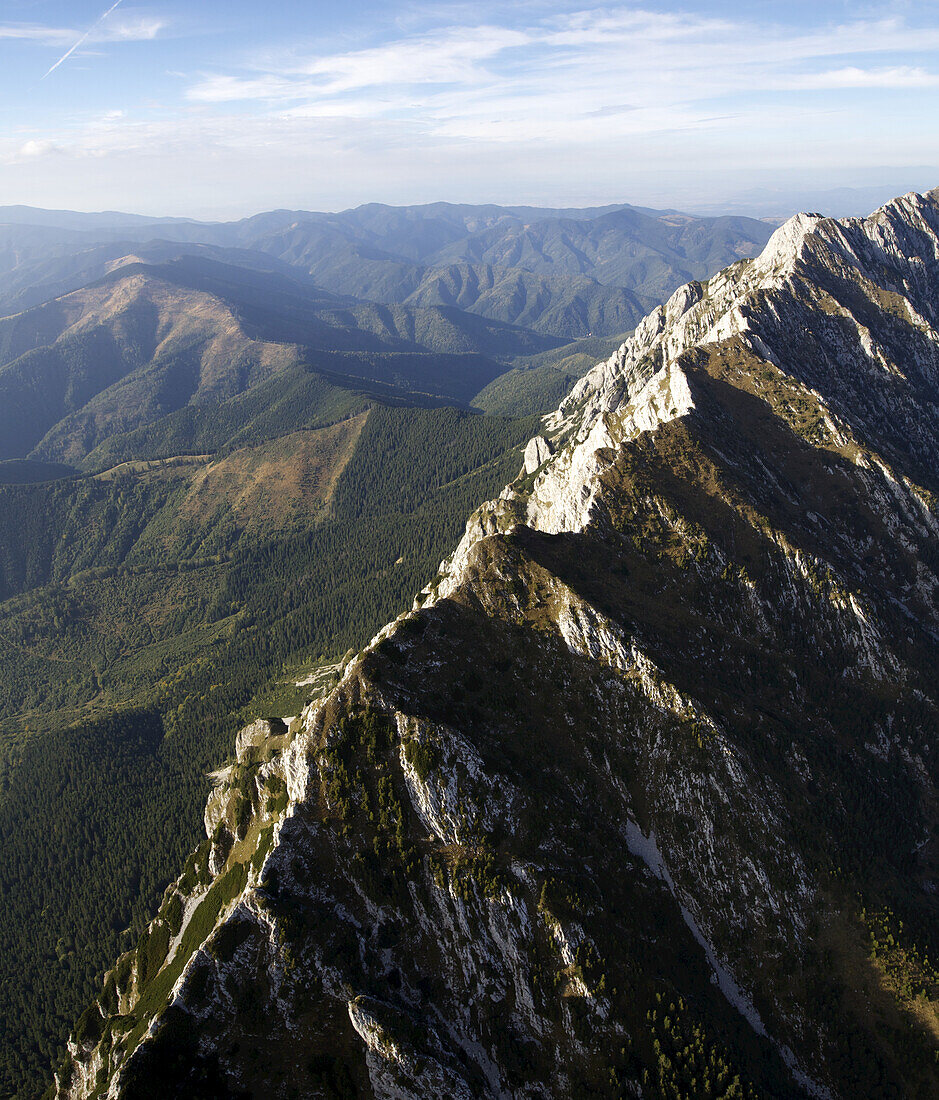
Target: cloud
451	57
613	109
136	29
231	89
33	32
899	77
31	150
128	29
554	77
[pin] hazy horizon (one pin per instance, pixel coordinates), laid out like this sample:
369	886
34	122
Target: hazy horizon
765	204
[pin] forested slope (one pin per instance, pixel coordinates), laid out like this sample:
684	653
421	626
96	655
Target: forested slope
146	612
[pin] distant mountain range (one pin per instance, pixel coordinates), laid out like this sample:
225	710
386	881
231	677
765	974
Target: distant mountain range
116	321
565	273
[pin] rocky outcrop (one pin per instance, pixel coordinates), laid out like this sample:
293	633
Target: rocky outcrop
609	810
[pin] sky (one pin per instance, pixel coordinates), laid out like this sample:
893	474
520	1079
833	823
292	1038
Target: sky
217	109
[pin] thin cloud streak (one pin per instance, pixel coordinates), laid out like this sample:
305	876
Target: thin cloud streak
32	32
97	23
898	77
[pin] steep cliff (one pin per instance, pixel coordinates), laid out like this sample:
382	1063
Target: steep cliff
640	799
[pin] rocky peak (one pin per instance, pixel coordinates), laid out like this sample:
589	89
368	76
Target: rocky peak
764	305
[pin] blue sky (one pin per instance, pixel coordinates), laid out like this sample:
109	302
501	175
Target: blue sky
220	109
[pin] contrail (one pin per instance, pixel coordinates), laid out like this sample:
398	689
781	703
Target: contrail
68	54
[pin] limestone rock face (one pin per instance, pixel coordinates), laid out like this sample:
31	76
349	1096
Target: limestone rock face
640	798
537	453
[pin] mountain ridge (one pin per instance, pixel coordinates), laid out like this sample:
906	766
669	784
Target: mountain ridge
690	771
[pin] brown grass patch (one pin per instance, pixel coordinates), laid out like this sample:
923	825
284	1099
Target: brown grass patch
289	479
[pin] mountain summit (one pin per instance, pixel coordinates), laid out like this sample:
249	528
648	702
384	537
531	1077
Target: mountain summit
640	799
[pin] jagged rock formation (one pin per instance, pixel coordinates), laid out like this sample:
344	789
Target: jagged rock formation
640	799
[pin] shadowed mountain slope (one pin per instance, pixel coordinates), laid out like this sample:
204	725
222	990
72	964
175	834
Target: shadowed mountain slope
120	592
149	340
